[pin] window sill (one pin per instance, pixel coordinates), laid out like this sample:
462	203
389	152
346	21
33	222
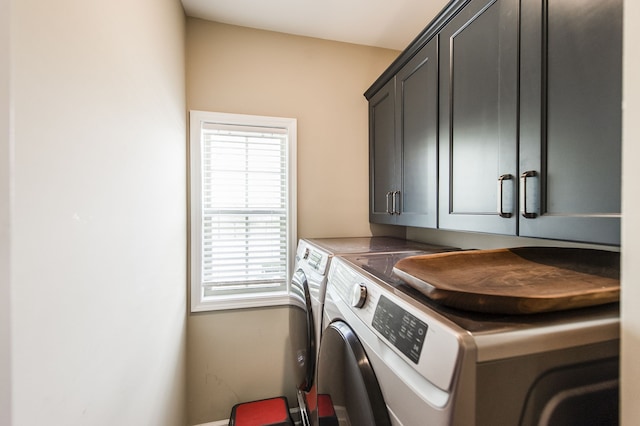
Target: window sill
250	300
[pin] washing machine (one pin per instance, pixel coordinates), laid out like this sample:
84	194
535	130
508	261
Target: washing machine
391	356
307	290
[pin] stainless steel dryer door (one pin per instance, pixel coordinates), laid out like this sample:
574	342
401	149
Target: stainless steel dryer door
302	332
348	391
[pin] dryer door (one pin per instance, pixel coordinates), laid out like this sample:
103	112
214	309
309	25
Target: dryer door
348	391
302	332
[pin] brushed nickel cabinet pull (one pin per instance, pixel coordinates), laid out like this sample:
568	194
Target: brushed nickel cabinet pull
389	208
501	180
396	202
523	194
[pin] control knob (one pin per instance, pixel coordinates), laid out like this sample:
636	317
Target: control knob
358	295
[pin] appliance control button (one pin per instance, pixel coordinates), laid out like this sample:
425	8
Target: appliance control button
358	295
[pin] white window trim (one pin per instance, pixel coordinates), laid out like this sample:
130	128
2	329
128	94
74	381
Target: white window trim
242	300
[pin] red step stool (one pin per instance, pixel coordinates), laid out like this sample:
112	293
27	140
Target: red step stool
265	412
326	412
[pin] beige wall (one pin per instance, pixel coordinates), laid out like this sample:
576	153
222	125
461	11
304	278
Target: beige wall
321	84
630	370
237	356
98	263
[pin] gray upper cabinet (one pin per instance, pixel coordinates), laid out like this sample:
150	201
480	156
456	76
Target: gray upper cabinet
383	167
403	133
509	112
478	118
570	120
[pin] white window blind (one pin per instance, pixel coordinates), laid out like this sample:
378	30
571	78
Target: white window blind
244	213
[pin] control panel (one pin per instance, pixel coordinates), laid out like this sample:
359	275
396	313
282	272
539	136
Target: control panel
405	331
318	260
416	335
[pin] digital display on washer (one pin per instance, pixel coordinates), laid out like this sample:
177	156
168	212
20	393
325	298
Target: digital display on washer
314	259
403	330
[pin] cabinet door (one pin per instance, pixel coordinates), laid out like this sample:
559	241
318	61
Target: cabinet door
570	132
417	118
478	118
382	154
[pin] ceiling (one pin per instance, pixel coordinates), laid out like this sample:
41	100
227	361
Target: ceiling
381	23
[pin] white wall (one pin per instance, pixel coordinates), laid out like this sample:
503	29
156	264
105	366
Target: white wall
630	370
99	228
5	214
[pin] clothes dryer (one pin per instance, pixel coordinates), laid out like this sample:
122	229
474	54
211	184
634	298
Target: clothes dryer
313	259
391	356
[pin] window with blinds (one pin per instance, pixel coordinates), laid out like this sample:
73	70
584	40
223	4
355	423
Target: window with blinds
242	210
